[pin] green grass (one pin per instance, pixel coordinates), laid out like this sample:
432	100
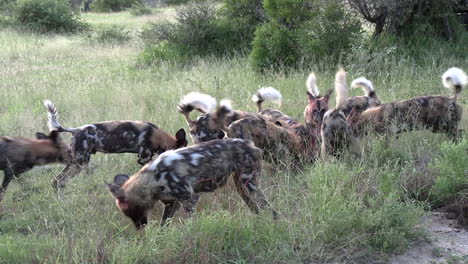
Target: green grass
348	210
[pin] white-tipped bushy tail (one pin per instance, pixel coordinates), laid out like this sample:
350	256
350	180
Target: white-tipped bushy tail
222	112
311	84
341	88
266	94
52	116
455	79
201	102
364	84
226	106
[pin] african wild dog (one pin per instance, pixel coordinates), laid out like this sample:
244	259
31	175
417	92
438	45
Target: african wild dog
178	176
276	141
361	103
19	154
143	138
436	113
336	133
317	105
204	128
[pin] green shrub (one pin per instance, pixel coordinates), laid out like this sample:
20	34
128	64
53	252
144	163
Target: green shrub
273	47
109	35
139	9
244	16
197	31
112	5
302	32
175	2
291	13
329	34
48	16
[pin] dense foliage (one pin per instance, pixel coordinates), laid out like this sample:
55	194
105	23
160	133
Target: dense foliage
111	5
197	31
48	16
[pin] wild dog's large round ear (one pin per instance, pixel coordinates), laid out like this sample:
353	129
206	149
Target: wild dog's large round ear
327	95
117	191
310	96
120	179
40	135
181	134
181	138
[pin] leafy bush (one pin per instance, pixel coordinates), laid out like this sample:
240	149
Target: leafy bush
302	31
273	47
175	2
48	16
400	17
329	34
109	35
197	31
290	13
112	5
244	16
139	9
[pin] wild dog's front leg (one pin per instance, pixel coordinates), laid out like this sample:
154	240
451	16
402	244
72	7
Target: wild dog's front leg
145	154
185	194
190	204
170	208
6	181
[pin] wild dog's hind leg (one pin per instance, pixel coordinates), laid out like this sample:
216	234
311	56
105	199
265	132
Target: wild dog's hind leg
83	146
245	180
70	171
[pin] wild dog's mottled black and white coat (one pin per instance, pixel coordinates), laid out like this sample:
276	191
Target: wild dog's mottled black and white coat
19	154
362	102
276	141
176	177
143	138
204	127
336	133
436	113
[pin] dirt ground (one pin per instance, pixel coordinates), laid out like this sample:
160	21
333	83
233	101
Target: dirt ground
448	243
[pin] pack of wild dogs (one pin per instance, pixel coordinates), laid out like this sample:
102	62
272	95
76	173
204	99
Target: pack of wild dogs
228	142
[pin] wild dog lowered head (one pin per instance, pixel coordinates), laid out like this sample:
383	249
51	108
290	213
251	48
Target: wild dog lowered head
177	177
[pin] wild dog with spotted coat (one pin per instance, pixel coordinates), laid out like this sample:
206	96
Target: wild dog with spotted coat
177	177
276	141
336	133
19	154
204	128
317	104
117	136
362	102
440	114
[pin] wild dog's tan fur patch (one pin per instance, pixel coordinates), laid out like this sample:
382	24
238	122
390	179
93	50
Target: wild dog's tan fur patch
19	154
